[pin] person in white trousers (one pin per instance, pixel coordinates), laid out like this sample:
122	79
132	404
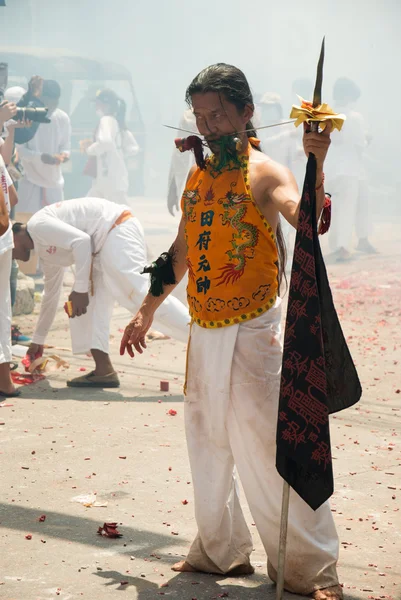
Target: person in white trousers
347	178
234	358
42	157
107	245
7	388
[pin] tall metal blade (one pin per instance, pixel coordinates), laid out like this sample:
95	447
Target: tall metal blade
317	93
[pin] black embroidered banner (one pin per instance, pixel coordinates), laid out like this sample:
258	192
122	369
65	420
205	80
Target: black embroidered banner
318	375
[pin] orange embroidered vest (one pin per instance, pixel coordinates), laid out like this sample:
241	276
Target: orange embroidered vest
231	250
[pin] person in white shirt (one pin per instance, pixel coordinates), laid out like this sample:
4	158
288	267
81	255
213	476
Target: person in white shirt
42	157
107	245
7	388
112	143
180	165
347	177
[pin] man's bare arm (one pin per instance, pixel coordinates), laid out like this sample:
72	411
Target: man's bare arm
13	196
4	218
135	332
282	191
178	252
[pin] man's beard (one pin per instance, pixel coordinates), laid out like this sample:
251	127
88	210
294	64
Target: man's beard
226	149
214	144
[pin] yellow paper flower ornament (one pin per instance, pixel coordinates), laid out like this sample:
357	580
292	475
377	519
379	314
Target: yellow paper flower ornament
307	113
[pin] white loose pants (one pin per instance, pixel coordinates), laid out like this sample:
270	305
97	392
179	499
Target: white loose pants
231	410
32	198
5	307
117	277
108	193
350	211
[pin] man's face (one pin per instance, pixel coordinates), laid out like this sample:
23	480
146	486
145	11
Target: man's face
21	251
50	103
215	116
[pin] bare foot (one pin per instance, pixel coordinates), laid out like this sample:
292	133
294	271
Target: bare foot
331	593
183	567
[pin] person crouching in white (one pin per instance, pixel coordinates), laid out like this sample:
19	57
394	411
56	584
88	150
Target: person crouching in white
7	388
107	245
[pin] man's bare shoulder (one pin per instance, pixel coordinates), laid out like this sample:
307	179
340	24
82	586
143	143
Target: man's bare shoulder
264	168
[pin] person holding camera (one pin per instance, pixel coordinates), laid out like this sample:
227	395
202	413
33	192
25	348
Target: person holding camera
43	155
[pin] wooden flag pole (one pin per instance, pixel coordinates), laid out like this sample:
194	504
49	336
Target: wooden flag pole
317	100
283	540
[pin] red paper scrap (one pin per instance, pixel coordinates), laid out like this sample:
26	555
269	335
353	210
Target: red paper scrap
42	518
26	378
164	386
172	412
109	530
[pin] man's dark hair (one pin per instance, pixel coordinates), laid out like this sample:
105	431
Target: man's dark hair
51	89
230	82
17	227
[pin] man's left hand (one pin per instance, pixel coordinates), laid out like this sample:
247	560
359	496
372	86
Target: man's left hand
80	303
7	111
317	143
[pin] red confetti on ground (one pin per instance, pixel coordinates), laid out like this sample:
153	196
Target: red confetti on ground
26	379
42	518
172	412
109	530
123	457
28	537
82	368
184	502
